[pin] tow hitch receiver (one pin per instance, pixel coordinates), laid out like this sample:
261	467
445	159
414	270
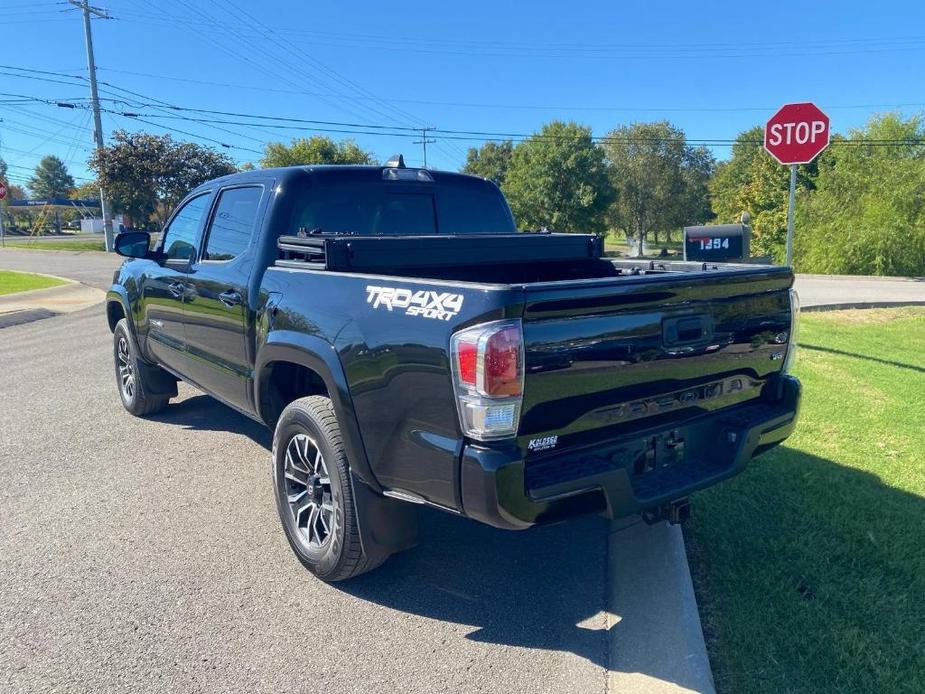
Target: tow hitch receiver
674	512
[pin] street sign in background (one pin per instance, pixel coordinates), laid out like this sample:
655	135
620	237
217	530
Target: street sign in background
796	134
2	191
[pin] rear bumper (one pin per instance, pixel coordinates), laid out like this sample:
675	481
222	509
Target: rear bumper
627	475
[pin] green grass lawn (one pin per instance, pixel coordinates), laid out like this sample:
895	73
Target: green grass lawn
12	282
809	567
62	245
617	243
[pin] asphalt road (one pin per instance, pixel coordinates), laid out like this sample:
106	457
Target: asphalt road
146	555
829	290
94	269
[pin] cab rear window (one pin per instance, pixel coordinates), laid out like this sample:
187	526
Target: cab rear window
387	208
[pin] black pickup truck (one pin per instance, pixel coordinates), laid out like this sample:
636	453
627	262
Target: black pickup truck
408	345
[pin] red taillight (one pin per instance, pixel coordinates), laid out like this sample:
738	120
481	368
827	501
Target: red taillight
502	368
467	358
488	373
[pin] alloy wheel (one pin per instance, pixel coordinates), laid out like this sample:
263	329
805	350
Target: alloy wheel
126	369
308	491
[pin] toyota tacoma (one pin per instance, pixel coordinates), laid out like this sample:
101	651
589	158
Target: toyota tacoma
407	345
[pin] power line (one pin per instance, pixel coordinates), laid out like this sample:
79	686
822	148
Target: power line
466	47
534	107
26	168
333	74
397	131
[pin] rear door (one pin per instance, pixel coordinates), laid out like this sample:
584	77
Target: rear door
609	357
164	289
217	297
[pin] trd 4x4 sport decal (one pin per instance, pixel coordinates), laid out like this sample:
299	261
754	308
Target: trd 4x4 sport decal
425	303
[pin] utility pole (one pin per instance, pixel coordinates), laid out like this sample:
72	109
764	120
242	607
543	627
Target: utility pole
424	141
3	194
95	102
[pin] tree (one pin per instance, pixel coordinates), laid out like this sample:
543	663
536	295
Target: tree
490	161
752	181
693	205
13	192
317	149
867	212
557	179
146	175
89	190
660	180
51	179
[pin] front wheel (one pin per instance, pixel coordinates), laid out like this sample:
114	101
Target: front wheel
311	479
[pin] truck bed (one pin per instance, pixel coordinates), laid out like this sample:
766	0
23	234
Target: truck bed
615	352
522	258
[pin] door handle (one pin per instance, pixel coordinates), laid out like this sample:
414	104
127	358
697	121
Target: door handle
177	289
230	298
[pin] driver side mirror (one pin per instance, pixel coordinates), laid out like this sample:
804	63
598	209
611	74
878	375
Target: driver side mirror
134	244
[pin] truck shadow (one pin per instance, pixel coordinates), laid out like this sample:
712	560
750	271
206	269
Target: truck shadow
544	588
810	546
205	413
878	360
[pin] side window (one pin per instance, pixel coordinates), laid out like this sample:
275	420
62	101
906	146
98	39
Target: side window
180	235
233	223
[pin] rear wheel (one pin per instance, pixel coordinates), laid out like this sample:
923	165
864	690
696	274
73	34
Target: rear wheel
132	376
314	497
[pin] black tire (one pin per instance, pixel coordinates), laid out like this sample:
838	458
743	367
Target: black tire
132	375
329	546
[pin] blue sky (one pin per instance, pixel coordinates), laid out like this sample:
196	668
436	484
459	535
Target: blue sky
713	69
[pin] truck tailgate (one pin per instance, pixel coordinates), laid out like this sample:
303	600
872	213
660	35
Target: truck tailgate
608	357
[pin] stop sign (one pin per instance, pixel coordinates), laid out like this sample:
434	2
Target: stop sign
797	133
2	190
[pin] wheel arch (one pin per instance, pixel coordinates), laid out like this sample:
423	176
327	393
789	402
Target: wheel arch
117	308
290	354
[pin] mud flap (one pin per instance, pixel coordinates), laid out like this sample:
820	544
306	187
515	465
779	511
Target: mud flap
386	525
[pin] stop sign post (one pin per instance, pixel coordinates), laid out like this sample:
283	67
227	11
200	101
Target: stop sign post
796	134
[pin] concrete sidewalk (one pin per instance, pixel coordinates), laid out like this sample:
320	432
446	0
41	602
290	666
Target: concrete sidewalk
24	307
656	642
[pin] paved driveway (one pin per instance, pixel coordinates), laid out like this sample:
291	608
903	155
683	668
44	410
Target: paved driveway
145	555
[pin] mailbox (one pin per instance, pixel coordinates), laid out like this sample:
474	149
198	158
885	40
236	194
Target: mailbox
717	243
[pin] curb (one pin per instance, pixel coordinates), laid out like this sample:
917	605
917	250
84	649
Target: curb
656	641
855	278
24	307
